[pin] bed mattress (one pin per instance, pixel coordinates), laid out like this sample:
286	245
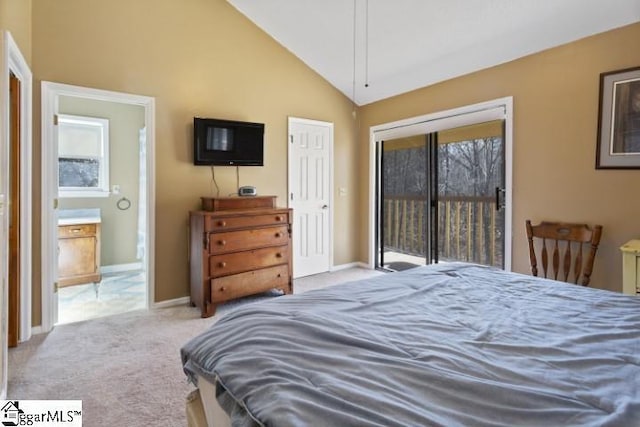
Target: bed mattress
449	344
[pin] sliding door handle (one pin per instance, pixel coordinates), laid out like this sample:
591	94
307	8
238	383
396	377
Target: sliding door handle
499	204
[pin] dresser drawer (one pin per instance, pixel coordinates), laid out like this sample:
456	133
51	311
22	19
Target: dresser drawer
251	282
247	239
230	223
79	230
231	263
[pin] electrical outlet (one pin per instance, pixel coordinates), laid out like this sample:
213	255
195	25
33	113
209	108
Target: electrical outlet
115	189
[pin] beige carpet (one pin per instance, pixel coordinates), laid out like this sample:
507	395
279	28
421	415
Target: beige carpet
125	367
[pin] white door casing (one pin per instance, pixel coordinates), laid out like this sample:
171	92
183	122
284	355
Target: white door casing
4	241
50	95
12	61
310	157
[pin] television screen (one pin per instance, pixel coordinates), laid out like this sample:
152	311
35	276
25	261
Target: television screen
219	142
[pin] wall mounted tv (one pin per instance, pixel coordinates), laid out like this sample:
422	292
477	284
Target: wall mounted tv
219	142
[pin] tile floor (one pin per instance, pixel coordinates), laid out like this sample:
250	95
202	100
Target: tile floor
116	293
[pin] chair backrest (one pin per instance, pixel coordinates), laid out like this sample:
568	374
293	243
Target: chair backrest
565	241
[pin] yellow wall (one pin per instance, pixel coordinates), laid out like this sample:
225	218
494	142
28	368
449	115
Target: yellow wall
15	17
197	58
555	95
202	57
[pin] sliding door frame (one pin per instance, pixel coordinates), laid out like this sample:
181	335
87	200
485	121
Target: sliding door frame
446	119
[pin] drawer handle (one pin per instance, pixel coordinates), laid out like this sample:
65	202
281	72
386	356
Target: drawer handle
222	289
278	234
279	275
278	218
222	223
76	230
278	255
222	264
222	242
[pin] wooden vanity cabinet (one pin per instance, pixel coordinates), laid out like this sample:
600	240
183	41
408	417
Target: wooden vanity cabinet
78	254
238	252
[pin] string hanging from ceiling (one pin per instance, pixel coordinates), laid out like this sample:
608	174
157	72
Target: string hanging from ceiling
353	82
366	44
366	49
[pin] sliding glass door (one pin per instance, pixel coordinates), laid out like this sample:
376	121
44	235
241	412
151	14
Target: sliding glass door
469	195
403	208
441	196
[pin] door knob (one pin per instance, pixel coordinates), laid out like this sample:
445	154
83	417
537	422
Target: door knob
325	206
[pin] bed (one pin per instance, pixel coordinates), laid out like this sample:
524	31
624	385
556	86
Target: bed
448	344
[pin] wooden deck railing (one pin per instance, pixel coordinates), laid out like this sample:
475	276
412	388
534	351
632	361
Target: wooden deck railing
470	228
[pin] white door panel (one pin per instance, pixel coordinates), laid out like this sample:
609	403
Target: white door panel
310	148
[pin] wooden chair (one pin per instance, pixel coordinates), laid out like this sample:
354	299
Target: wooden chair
574	237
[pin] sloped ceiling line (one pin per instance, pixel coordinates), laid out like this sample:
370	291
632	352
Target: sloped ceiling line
416	43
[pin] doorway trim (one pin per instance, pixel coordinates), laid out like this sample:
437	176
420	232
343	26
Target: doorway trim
13	62
50	94
17	65
451	117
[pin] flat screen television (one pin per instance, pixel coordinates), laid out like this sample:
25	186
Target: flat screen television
219	142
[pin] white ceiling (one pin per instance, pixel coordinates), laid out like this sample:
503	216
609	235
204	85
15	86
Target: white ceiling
416	43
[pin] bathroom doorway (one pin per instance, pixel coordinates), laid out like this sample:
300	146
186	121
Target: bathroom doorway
98	164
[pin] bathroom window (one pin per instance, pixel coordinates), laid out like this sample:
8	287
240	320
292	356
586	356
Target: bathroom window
83	156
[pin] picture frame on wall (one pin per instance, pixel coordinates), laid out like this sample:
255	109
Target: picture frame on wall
619	120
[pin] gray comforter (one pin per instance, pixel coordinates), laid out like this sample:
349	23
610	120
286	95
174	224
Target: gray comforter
450	344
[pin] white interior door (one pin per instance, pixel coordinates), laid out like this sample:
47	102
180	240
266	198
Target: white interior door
310	172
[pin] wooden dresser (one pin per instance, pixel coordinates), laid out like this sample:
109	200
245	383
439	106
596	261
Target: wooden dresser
238	246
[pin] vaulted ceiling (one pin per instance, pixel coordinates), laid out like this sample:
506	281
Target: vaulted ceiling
396	46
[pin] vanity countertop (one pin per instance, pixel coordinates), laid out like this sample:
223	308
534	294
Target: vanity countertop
78	216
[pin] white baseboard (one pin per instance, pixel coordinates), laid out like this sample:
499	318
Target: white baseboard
119	268
172	302
349	265
36	330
